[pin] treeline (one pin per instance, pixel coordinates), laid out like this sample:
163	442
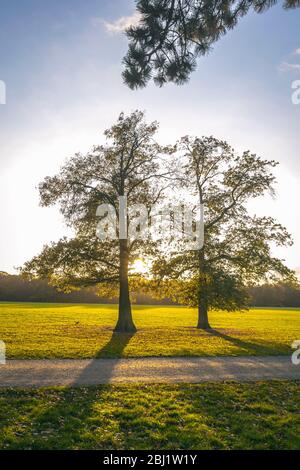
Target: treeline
280	295
14	288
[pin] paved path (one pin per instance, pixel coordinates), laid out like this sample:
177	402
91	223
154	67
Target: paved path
39	373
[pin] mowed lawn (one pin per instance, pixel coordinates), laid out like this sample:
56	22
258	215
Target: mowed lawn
206	416
32	330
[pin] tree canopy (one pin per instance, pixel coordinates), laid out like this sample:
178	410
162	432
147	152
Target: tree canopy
172	34
128	165
207	172
237	249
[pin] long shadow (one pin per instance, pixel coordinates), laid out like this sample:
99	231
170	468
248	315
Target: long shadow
69	418
115	346
111	353
251	347
69	412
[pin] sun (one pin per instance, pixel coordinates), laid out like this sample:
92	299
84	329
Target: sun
139	267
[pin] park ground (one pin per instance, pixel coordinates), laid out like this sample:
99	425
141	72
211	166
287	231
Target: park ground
37	331
255	415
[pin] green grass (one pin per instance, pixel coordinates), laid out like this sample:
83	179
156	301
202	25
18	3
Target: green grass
33	330
261	415
207	416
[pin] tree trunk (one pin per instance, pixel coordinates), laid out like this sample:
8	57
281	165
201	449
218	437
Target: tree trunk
203	322
125	322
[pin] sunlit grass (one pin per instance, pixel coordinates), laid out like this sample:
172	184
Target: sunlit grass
207	416
33	330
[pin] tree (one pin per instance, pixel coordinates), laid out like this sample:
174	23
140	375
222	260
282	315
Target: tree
173	33
276	295
237	246
127	166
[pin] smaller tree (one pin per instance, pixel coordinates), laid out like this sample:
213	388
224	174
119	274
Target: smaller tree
237	246
128	166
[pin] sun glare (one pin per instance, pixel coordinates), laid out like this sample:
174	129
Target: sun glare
139	267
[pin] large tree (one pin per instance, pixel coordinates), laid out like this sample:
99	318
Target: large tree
237	248
171	35
127	166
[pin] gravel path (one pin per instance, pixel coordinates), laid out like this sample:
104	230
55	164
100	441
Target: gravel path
73	372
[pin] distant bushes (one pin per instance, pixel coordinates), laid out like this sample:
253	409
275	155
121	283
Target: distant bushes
280	295
16	289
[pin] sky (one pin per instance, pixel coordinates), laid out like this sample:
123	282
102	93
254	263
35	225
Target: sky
61	63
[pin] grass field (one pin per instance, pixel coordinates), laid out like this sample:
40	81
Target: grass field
206	416
33	330
261	415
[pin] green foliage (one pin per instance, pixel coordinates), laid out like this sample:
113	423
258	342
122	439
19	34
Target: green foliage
128	164
275	295
237	250
15	288
223	291
173	33
261	415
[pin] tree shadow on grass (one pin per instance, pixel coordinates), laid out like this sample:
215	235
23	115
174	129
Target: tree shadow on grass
250	347
185	416
100	369
68	419
115	347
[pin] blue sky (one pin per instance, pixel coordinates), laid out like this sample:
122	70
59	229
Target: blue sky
61	63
